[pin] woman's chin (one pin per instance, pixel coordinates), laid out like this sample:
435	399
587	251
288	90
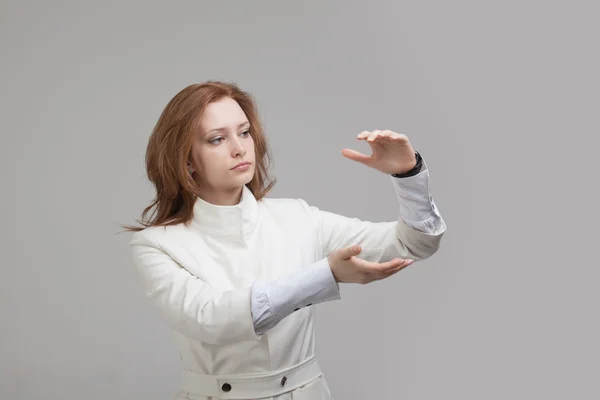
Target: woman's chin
243	176
239	180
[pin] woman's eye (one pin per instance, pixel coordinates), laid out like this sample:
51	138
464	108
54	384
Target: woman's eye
245	133
215	140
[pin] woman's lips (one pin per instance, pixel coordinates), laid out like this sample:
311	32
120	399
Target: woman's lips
242	166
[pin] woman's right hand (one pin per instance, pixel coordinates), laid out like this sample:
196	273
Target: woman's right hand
347	268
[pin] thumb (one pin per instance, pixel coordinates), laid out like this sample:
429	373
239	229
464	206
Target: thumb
356	156
351	251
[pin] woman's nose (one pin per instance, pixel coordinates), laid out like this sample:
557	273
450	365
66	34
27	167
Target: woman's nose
238	148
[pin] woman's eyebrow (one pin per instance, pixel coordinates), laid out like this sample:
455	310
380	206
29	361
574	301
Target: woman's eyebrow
225	128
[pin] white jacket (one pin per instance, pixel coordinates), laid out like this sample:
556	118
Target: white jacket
200	278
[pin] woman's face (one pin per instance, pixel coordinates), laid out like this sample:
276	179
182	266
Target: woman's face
221	143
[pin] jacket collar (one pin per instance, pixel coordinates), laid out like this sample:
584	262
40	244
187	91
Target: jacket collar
231	221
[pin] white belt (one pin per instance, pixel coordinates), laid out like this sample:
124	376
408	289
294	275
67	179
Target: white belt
252	385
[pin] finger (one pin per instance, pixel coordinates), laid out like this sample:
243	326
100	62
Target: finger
394	271
392	265
388	265
356	156
399	137
386	269
389	271
403	264
363	135
378	268
373	135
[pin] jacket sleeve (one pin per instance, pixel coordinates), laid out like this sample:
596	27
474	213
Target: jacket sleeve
380	241
190	305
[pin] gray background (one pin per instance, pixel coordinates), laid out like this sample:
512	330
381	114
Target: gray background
500	97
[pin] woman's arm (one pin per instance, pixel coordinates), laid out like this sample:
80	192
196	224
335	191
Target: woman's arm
391	154
193	308
380	241
416	234
275	300
190	305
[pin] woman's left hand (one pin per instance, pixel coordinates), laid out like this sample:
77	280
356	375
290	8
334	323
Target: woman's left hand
392	153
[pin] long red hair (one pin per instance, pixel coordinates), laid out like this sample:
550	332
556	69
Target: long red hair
170	144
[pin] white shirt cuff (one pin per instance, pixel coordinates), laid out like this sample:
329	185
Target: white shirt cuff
275	300
416	205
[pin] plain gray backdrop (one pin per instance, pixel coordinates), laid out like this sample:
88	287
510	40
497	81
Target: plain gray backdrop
500	97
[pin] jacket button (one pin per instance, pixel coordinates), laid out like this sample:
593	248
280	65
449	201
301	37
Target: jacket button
283	380
226	387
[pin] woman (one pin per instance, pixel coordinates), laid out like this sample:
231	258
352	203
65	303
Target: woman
236	274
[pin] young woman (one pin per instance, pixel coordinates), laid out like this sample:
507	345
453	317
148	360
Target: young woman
237	275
